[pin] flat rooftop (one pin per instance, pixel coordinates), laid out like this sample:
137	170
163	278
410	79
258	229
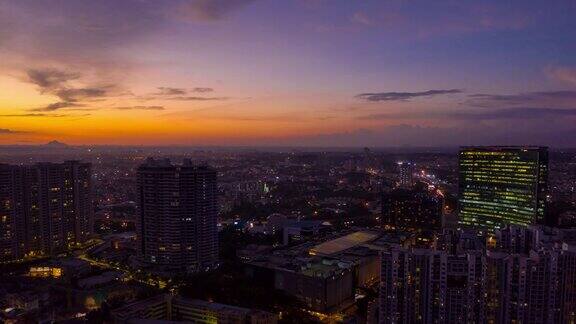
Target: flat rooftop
343	243
324	268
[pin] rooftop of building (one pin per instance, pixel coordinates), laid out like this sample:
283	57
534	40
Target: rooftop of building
126	310
297	260
334	256
212	306
343	243
103	278
324	268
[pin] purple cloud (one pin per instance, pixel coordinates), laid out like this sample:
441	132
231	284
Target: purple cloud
403	96
211	10
562	73
56	83
555	98
518	113
169	91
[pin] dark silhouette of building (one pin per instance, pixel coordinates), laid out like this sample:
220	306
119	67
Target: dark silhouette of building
502	185
45	208
177	221
415	208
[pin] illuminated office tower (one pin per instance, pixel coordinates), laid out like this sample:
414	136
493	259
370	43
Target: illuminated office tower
502	185
177	221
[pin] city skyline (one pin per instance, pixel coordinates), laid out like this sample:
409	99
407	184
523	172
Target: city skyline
294	73
122	235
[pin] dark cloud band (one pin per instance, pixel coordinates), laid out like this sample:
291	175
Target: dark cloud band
403	96
517	113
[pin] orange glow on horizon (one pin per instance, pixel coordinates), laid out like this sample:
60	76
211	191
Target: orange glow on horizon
232	122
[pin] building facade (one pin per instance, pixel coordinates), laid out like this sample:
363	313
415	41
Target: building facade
502	185
405	174
414	208
500	285
177	220
45	208
426	286
168	308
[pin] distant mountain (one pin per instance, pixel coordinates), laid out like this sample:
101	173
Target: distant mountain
56	144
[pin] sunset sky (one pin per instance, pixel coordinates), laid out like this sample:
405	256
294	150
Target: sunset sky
288	72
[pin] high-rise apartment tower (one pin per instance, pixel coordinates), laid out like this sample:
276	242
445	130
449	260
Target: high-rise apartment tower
177	220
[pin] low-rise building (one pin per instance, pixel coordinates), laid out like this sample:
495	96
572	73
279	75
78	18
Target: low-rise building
323	276
166	308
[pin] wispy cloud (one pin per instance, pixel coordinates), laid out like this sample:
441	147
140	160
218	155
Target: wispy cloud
169	91
362	18
516	113
523	99
141	108
48	79
211	10
57	105
562	73
193	98
201	90
78	94
403	96
57	83
36	115
78	41
7	131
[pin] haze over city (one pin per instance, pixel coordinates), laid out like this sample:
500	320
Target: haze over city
288	72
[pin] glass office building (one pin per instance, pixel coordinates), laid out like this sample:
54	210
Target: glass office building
502	185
